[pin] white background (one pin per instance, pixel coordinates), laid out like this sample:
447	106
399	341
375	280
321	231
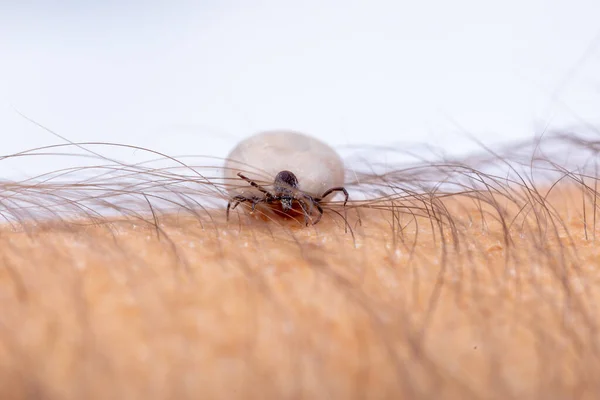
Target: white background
195	77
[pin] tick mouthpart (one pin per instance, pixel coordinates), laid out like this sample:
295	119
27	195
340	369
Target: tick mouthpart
286	203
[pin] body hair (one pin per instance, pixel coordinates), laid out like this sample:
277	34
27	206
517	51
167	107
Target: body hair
443	277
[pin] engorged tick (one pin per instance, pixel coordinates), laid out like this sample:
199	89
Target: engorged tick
304	172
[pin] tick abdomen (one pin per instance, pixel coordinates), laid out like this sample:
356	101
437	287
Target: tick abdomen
263	156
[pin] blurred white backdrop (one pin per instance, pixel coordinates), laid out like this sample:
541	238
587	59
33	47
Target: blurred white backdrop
195	77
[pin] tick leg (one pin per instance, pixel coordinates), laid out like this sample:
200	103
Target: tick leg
235	201
320	213
334	189
256	185
304	211
313	203
256	201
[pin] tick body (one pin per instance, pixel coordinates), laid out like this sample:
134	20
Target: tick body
284	168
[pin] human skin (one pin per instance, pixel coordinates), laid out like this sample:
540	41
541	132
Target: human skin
437	280
472	295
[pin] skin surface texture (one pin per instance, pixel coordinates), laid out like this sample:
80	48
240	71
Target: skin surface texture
447	282
253	309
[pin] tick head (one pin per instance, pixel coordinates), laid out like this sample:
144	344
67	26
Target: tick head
285	184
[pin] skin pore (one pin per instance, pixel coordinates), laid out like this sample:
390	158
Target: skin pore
442	281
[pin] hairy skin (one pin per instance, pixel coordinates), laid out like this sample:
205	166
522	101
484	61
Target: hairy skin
452	297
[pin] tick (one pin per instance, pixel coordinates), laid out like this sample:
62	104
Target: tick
284	168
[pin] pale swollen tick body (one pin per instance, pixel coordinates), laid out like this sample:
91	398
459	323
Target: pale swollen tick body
284	168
